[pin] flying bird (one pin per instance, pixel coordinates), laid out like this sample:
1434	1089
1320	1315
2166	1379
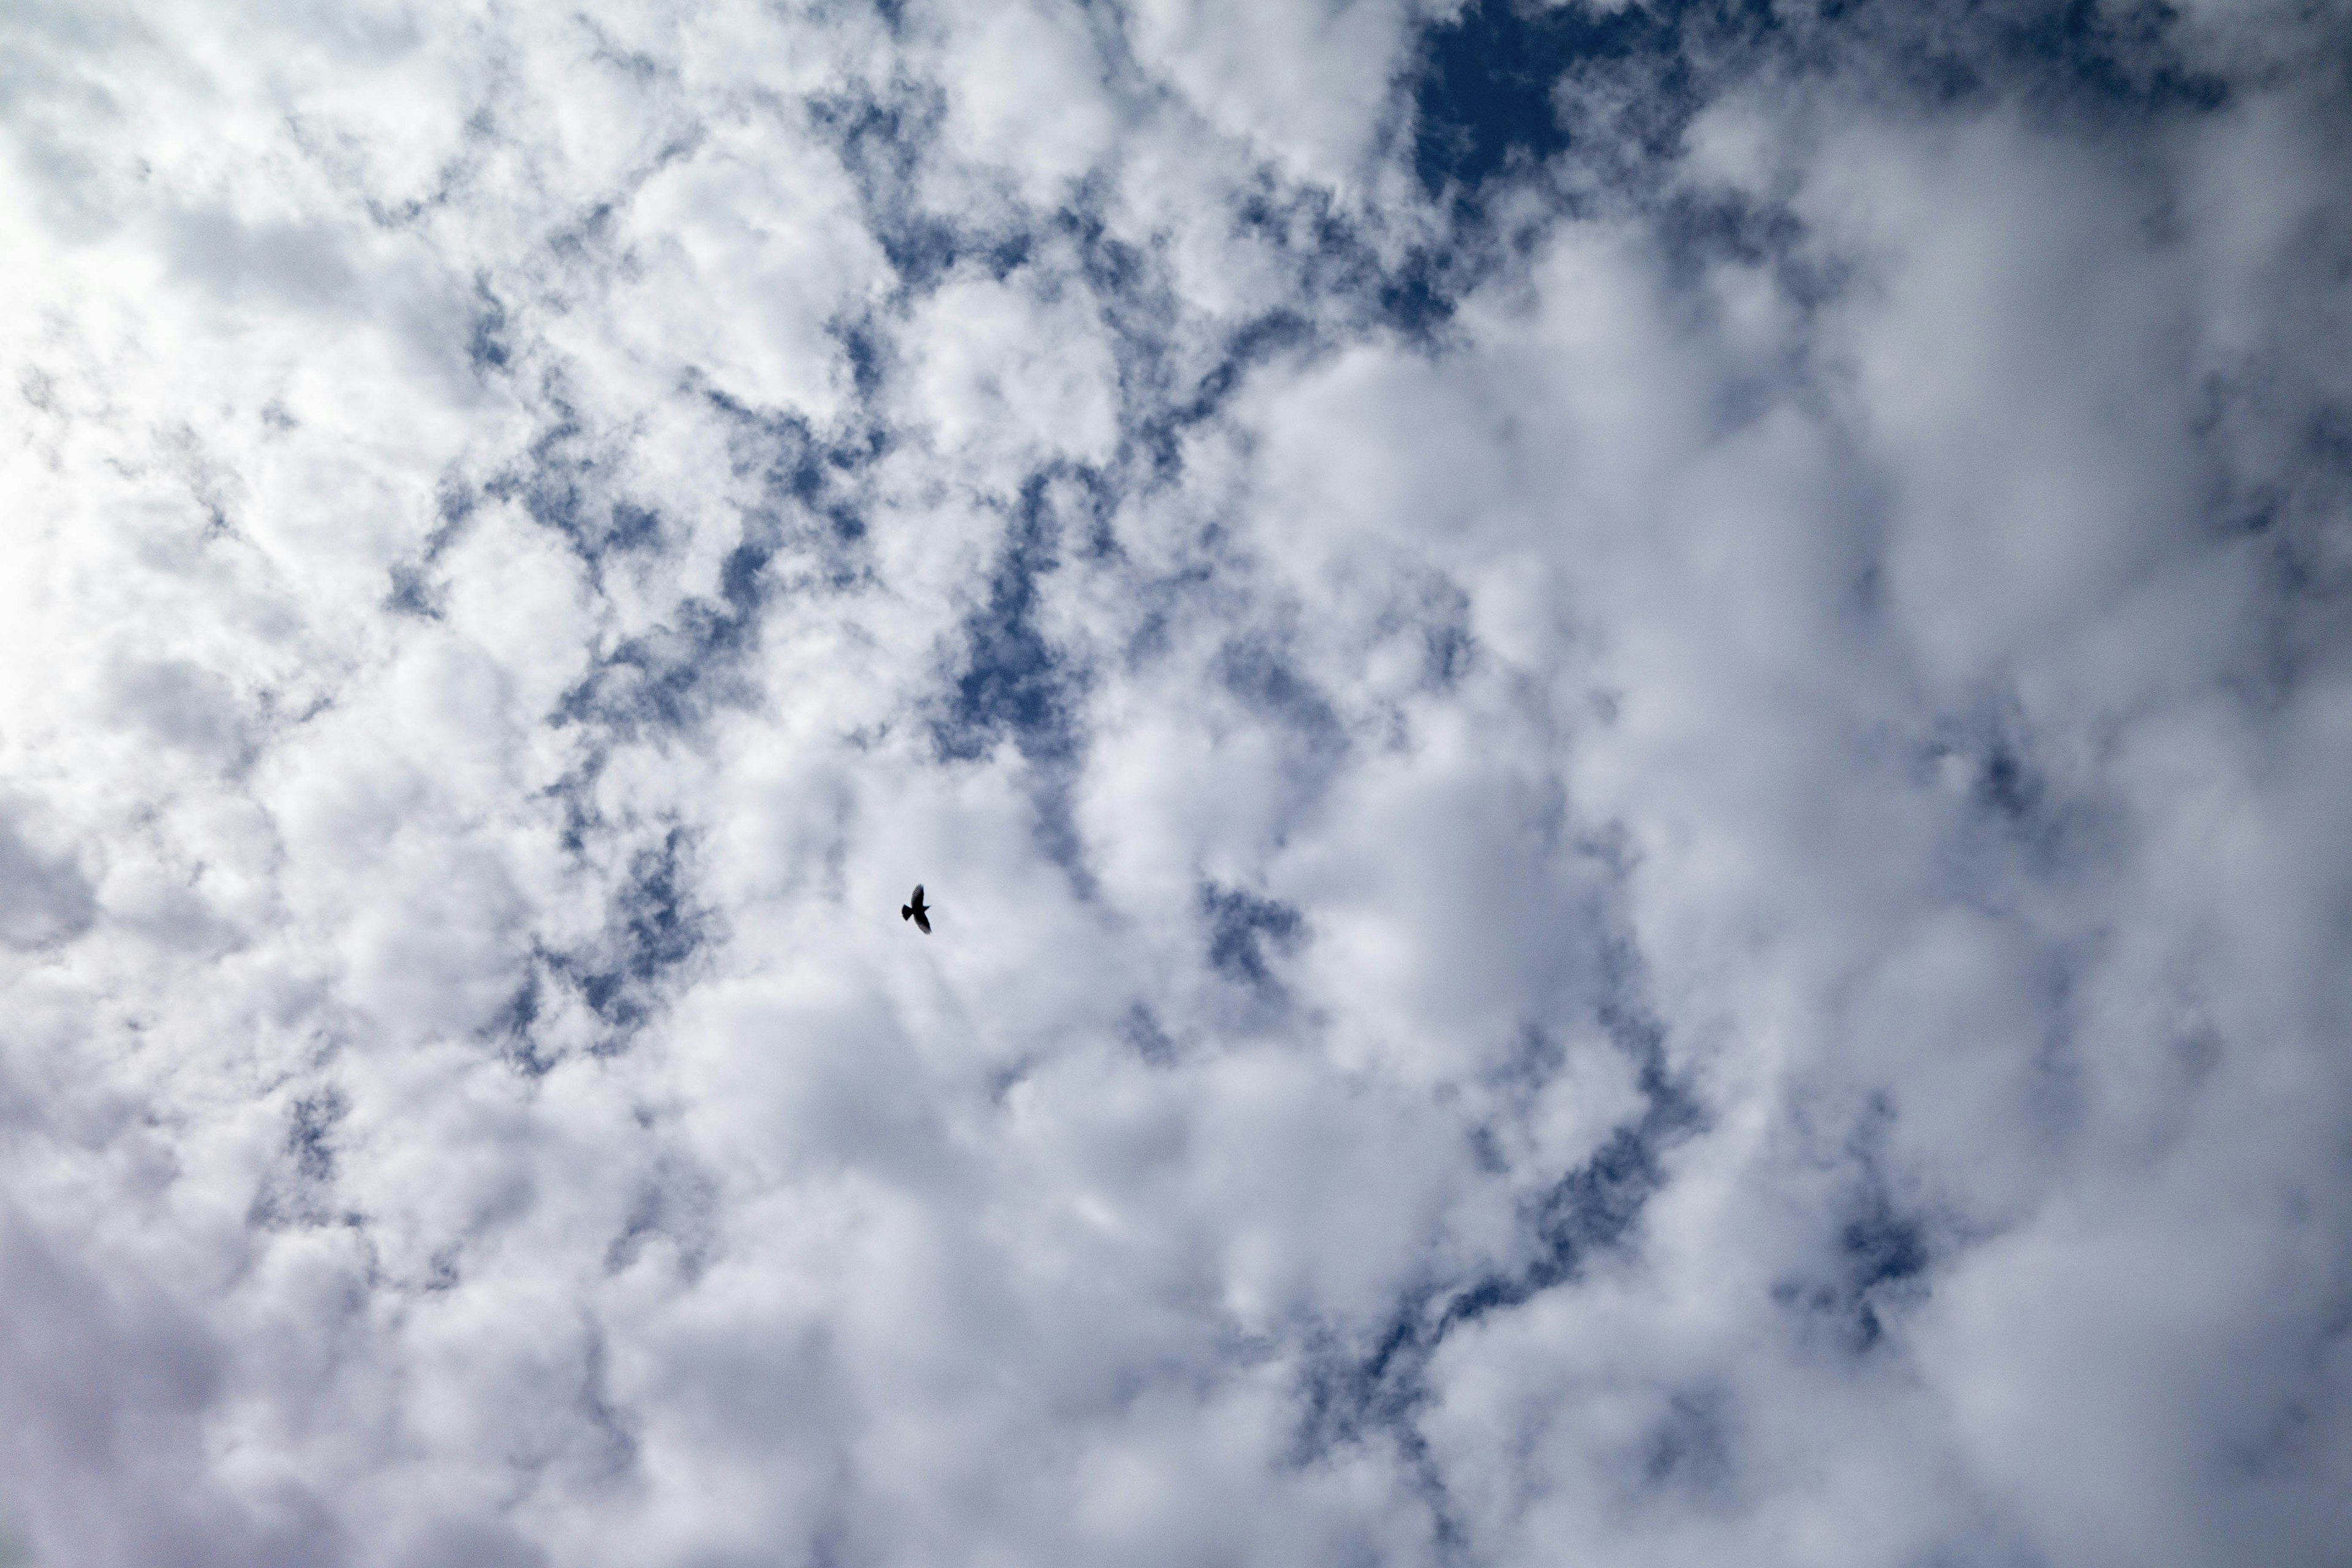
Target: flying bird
917	912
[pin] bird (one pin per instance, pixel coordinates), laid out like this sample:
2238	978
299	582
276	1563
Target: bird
917	912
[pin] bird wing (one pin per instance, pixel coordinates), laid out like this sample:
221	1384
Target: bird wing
923	922
918	895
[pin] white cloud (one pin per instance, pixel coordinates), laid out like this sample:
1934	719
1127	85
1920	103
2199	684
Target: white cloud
1687	905
1011	381
1309	84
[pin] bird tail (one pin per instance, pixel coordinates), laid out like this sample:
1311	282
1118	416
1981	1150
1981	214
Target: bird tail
906	911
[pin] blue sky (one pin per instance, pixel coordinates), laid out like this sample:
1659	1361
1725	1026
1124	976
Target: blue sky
1629	723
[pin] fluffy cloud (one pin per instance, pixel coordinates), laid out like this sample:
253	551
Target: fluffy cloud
1628	722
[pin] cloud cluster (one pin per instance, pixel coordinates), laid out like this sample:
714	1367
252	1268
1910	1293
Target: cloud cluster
1628	722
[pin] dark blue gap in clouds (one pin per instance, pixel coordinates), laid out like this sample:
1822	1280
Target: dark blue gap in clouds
308	1132
1506	86
2018	819
489	346
562	484
1142	1031
1879	1248
866	348
1878	1252
615	1451
1595	1206
633	527
301	1196
1482	99
653	927
1521	1074
510	1030
1880	1259
592	230
1160	431
1241	926
413	592
1331	260
1014	683
668	679
882	146
1161	403
2103	58
1449	651
1591	1209
799	468
1256	667
1488	113
1140	313
1699	230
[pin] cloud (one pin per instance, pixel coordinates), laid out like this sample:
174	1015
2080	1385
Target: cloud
1627	723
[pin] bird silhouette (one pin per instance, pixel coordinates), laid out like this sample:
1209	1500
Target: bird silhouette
917	912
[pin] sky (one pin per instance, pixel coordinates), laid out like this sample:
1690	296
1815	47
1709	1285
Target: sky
1630	724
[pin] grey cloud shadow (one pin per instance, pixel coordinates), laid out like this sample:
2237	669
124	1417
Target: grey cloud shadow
46	900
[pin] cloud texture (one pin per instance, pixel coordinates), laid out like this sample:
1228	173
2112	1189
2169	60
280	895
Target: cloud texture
1630	725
